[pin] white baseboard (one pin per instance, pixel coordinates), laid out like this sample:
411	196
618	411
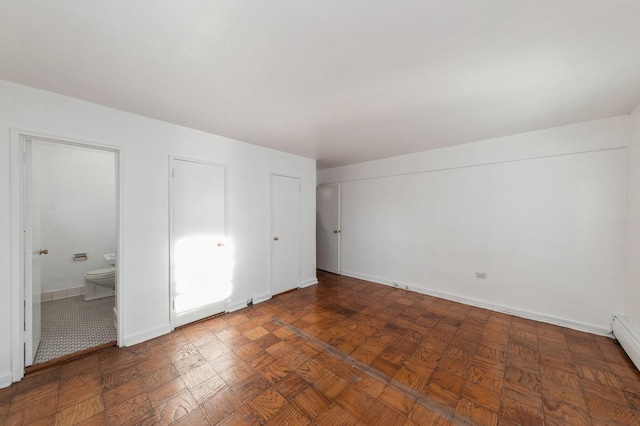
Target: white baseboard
628	336
235	306
134	339
309	282
5	380
562	322
62	293
262	298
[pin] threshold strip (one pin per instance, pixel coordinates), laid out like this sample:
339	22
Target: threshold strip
407	391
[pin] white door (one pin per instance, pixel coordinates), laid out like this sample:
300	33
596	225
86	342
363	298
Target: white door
328	228
285	233
33	251
200	261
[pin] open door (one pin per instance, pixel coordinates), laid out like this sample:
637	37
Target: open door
33	251
328	227
200	257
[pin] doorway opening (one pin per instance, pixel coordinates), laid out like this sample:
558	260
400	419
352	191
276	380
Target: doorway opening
328	232
68	211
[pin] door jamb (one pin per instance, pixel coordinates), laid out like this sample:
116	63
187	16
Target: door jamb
17	254
339	268
339	186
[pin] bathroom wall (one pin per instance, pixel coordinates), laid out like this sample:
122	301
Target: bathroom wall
77	213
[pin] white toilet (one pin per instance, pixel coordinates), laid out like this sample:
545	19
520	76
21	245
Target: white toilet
101	282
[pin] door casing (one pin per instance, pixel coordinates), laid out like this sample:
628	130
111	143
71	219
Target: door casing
18	255
328	237
32	280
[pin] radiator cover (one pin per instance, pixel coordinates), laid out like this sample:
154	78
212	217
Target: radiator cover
628	336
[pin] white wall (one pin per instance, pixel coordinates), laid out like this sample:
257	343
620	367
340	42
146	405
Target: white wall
632	294
77	188
145	146
543	214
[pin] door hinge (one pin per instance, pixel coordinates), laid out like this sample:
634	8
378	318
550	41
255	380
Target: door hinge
24	322
173	304
173	173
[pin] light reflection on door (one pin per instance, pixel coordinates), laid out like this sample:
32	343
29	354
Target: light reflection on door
202	272
201	255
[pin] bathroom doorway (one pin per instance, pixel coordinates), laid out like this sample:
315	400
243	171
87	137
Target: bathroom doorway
70	215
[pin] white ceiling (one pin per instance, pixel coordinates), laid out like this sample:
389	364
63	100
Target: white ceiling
341	81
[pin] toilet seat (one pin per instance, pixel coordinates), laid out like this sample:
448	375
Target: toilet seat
101	273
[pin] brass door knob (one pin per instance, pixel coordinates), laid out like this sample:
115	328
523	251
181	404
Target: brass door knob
275	238
335	231
220	244
41	252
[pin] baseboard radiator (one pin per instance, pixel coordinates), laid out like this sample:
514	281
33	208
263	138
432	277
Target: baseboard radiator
628	336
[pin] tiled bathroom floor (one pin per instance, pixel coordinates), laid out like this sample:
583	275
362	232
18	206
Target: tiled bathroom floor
70	325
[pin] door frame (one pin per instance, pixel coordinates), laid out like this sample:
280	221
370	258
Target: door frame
17	243
271	230
339	186
173	158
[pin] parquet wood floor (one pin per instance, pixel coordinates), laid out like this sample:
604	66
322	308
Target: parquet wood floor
344	352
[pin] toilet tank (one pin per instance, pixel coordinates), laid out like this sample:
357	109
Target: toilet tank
110	258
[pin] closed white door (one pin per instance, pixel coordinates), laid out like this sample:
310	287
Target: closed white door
285	233
33	251
200	259
328	228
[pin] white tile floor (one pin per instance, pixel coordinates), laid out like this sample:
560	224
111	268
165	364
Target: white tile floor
70	325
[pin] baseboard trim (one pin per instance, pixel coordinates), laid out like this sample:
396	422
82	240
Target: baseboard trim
562	322
309	282
232	307
5	380
262	298
134	339
236	306
62	293
628	336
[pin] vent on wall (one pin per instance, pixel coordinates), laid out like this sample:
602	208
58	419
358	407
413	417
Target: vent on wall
628	336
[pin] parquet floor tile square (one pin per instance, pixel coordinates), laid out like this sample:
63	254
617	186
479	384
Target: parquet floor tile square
381	414
327	354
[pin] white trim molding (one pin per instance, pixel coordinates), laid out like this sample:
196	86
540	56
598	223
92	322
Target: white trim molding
309	282
490	306
5	380
17	243
236	306
134	339
262	298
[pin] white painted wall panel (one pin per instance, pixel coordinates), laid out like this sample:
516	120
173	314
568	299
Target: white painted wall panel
549	232
593	135
632	290
78	211
145	146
